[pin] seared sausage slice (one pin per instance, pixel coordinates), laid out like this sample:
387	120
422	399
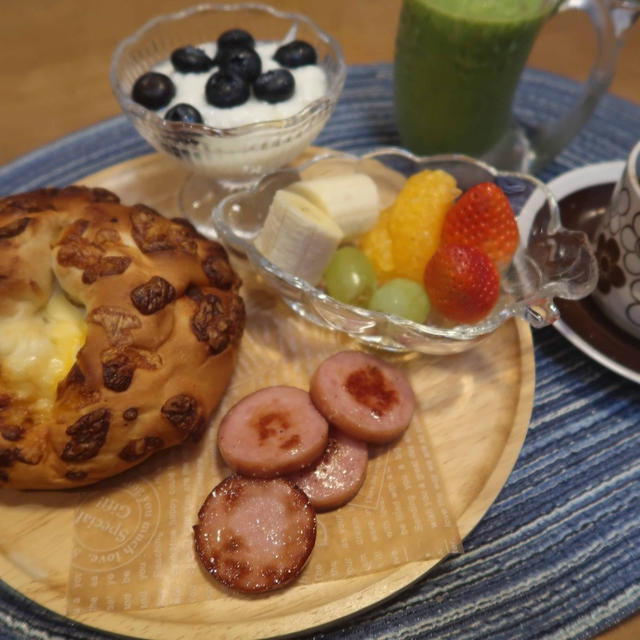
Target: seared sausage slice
272	432
363	395
338	475
255	535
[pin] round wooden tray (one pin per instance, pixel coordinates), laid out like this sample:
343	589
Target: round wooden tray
492	387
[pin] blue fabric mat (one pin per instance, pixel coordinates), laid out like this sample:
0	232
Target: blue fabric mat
557	554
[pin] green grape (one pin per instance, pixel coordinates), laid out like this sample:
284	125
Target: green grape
402	297
349	276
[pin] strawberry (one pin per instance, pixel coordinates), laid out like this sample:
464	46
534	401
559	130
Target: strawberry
482	217
462	283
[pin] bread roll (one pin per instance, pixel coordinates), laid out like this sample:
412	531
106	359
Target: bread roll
119	331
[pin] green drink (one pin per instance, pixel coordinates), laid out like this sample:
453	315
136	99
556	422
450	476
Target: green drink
457	65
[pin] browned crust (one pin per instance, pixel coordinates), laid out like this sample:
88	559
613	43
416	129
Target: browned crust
164	321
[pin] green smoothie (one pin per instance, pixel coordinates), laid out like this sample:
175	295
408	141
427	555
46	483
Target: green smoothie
457	64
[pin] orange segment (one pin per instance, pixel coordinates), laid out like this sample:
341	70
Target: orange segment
376	245
408	233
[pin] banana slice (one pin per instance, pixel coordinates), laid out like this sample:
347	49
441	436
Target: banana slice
298	237
352	200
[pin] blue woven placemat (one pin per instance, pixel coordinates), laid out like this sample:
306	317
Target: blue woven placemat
557	554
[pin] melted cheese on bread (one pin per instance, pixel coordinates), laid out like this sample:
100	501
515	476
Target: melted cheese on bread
38	348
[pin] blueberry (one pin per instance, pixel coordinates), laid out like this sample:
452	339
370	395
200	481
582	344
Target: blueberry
295	54
190	58
245	63
153	90
274	86
236	38
224	89
183	113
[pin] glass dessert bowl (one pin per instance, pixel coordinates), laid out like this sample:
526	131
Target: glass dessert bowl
550	261
222	158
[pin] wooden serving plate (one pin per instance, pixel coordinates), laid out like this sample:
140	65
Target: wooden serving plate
476	427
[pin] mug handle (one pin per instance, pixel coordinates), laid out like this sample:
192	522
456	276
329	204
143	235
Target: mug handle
549	139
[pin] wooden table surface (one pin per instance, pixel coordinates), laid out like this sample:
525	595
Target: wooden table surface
55	56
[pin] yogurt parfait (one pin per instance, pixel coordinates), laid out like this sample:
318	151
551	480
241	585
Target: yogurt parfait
241	83
231	91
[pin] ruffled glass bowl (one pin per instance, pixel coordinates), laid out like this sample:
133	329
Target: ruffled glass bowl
222	160
551	261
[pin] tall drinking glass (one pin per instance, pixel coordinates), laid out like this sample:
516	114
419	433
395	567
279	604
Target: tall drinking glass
457	66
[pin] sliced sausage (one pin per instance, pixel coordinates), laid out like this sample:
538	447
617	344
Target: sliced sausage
338	475
271	432
363	395
255	535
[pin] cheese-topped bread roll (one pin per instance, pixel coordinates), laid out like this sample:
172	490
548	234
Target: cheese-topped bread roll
119	331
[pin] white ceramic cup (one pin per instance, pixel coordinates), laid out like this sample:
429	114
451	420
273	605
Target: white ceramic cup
617	246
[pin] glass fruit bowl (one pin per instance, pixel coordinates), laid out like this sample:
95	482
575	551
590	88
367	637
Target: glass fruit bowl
551	261
222	159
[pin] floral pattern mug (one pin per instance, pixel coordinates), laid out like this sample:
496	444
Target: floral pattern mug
618	251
